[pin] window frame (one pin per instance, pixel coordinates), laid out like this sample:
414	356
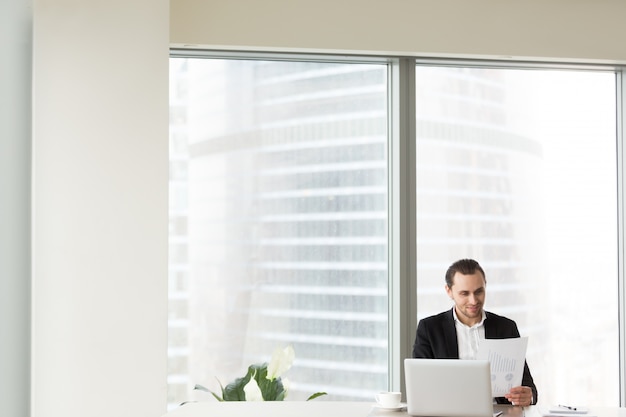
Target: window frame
402	306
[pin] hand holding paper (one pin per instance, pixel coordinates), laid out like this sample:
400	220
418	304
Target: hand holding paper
520	395
507	358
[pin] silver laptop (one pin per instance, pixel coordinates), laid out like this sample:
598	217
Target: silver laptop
448	388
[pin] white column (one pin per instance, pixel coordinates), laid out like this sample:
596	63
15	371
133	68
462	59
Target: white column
15	131
100	173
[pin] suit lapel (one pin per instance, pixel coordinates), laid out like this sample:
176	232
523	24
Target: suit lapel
452	345
490	331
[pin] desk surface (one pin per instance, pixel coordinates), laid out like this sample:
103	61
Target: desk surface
337	409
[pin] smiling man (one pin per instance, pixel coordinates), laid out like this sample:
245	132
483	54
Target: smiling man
456	333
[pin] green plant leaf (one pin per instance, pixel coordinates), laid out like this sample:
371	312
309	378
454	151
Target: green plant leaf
281	396
221	388
201	388
272	389
234	390
217	397
317	394
261	378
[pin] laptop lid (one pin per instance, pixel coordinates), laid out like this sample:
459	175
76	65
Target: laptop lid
448	387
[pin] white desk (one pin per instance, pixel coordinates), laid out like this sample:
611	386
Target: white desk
274	409
335	409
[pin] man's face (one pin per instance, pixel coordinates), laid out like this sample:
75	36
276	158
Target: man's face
468	293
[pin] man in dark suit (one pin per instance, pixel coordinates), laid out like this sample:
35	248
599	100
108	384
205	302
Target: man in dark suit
456	333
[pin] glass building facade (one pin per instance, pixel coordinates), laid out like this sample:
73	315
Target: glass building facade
279	217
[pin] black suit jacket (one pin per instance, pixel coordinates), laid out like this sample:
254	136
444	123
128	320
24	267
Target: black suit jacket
436	339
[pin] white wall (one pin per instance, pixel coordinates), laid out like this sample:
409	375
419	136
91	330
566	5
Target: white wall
100	174
15	114
568	30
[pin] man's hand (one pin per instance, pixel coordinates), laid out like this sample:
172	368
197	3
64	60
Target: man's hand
522	396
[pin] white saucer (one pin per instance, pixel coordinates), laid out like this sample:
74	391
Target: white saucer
396	408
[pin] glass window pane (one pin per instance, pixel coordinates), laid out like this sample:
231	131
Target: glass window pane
517	169
278	224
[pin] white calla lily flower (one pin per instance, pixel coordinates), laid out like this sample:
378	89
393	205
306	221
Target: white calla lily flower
252	390
282	359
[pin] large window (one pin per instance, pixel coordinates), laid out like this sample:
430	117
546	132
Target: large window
279	223
279	218
517	169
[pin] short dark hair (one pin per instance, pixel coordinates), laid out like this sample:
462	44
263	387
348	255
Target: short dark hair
465	267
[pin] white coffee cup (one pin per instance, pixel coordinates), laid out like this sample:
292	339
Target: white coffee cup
388	399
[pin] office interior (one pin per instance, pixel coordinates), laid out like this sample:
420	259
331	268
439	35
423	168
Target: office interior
84	160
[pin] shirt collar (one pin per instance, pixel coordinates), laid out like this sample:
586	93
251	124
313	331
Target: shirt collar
456	319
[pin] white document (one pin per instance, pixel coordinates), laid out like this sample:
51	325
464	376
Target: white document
562	411
507	357
566	409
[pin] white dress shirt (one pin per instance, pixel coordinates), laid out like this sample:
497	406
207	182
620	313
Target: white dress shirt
468	337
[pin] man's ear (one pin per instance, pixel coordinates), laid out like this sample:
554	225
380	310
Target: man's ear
448	291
